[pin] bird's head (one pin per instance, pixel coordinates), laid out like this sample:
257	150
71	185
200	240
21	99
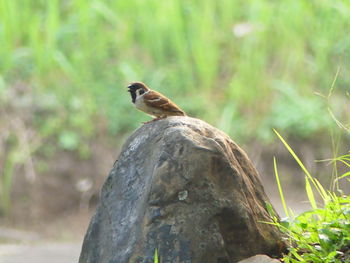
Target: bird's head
137	89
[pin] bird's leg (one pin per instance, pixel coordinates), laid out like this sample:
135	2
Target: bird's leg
156	119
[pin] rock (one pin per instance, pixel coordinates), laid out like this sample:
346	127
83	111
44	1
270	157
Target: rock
186	189
259	259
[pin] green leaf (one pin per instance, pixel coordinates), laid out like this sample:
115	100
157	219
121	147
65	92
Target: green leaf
156	256
310	193
280	187
68	140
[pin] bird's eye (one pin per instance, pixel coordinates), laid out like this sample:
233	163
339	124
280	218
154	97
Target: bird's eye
142	91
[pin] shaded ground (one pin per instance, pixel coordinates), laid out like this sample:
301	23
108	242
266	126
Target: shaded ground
40	253
57	241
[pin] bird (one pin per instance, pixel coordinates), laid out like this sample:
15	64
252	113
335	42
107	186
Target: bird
152	102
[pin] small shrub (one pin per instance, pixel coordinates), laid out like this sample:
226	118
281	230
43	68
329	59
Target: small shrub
321	235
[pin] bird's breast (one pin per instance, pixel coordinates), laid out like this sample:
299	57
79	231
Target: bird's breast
141	105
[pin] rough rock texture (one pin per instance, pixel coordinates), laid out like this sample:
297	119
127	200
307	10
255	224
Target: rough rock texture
259	259
185	188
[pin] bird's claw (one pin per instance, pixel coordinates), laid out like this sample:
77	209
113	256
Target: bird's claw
155	119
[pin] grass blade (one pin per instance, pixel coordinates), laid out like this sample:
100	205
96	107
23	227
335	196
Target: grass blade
343	176
296	158
280	188
310	194
156	260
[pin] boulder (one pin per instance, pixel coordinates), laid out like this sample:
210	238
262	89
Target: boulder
186	189
259	259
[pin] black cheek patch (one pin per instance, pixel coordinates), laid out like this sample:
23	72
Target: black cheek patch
133	95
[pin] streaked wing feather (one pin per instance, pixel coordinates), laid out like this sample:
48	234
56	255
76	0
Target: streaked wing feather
157	100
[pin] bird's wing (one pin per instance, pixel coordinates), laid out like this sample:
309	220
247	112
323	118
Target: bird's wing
157	100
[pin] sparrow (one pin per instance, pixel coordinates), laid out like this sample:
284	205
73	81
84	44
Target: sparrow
152	102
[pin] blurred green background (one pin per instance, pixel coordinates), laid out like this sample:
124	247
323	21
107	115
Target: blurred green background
244	66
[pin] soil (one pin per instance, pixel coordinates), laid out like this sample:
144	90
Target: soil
57	241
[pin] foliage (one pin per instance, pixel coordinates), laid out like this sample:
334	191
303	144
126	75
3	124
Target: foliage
229	57
321	235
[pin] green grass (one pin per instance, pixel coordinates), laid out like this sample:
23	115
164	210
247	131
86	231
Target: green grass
88	51
321	235
156	258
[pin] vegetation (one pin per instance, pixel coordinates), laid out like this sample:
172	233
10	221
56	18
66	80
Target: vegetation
244	66
237	57
321	235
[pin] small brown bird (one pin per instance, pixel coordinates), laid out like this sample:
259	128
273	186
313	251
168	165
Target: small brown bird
152	102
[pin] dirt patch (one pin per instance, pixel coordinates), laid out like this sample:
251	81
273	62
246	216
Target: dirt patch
40	253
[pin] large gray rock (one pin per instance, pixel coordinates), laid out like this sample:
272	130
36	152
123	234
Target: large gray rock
186	189
259	259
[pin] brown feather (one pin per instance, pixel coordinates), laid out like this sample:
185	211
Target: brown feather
157	100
